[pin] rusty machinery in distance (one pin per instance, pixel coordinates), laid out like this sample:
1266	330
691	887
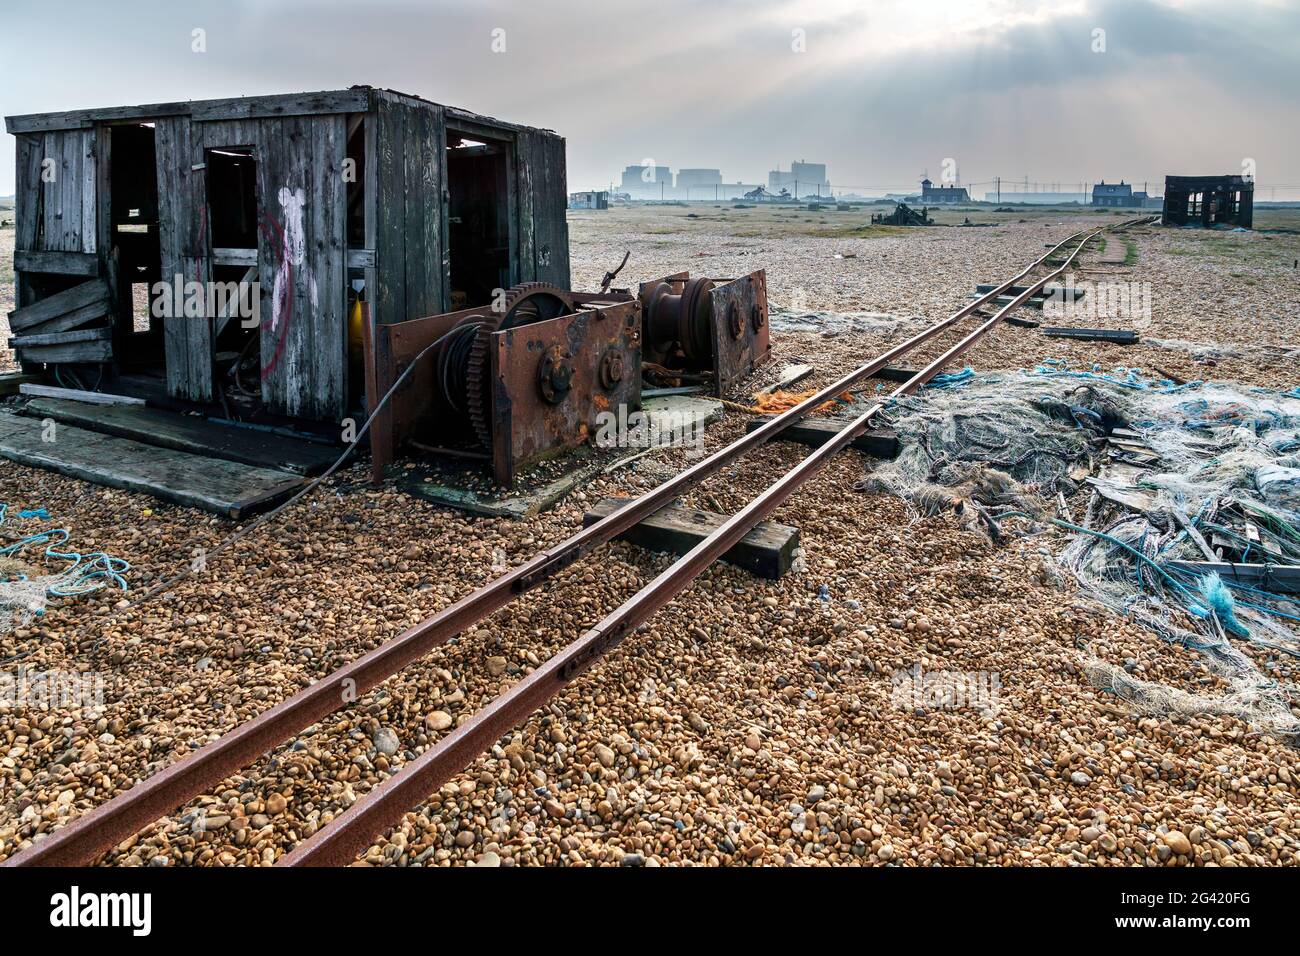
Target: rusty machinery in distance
526	377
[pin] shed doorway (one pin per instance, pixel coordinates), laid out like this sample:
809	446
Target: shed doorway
478	218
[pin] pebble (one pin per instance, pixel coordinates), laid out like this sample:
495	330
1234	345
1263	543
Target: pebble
386	742
438	720
1177	841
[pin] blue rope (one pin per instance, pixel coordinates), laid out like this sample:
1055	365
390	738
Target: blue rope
75	580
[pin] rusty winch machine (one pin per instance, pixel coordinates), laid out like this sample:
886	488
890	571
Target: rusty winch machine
526	377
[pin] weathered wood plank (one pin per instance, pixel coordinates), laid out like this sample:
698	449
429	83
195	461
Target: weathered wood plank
356	100
73	319
550	208
101	351
1278	578
58	263
182	235
27	198
234	257
302	267
525	195
389	299
1115	336
224	488
283	105
766	551
327	382
154	426
61	338
75	396
89	192
78	119
61	303
877	442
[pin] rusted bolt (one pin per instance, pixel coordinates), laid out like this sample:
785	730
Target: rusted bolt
734	321
555	376
611	368
756	317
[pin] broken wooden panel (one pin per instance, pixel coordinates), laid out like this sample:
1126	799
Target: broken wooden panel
542	208
97	350
61	338
79	305
194	481
410	171
57	263
767	550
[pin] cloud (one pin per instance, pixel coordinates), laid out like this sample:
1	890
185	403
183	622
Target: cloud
881	91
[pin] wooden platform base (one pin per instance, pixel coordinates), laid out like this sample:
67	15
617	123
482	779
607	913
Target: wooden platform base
1117	336
767	551
223	488
190	433
878	442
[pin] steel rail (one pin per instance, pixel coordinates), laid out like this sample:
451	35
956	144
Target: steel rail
93	833
339	841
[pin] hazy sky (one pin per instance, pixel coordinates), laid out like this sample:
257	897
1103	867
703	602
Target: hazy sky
880	91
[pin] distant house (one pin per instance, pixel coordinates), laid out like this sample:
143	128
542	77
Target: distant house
591	199
1116	194
948	194
1208	201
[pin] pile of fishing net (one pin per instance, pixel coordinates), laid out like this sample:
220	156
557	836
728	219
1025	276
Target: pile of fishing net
1207	458
26	580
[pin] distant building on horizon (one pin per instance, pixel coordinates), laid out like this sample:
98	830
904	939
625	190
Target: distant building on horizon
647	182
942	194
802	179
698	183
1117	194
589	199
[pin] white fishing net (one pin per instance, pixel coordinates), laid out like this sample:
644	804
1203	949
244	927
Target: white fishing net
1184	462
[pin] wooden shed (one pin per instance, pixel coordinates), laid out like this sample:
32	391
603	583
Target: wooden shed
312	201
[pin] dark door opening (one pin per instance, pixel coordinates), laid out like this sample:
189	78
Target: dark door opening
133	205
233	225
478	218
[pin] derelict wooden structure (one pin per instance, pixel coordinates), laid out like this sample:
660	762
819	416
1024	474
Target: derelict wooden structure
325	199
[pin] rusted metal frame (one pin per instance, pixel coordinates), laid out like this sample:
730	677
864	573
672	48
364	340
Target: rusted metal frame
599	348
339	842
94	833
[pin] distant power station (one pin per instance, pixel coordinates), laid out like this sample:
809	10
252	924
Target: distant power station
803	179
659	182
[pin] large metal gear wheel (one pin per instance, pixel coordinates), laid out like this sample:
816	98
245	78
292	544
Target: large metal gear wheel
524	304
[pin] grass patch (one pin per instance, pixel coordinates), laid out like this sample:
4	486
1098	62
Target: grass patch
1130	252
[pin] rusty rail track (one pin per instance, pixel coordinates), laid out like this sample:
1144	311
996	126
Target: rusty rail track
94	833
338	842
